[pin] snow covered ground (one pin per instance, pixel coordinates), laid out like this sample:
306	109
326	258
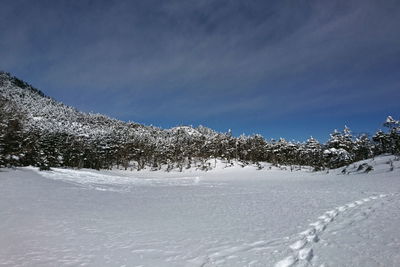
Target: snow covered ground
226	217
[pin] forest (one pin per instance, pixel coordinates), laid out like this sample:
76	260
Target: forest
37	130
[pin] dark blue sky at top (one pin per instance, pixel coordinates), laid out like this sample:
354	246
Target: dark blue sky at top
281	68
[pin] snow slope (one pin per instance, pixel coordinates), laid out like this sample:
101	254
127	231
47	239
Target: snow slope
226	217
48	115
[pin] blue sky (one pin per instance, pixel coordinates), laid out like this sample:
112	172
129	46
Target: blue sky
287	69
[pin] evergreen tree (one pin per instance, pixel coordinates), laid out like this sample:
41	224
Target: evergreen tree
363	148
339	149
393	135
11	134
311	154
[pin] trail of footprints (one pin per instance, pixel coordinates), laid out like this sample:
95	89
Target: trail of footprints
302	251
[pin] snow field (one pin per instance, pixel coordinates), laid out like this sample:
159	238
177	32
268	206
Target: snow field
303	248
226	217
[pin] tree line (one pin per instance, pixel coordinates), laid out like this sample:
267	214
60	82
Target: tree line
23	146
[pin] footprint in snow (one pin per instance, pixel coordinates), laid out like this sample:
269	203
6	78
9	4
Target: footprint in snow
302	249
298	244
306	254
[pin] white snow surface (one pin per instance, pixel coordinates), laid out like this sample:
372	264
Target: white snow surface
225	217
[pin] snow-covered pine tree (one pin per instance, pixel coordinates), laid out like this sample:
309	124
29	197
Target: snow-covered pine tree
382	142
363	148
11	134
393	134
311	154
339	149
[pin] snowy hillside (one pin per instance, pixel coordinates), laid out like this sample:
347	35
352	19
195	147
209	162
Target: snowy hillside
37	130
226	217
49	115
44	120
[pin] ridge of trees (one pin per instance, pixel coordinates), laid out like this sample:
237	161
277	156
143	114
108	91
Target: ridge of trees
39	131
